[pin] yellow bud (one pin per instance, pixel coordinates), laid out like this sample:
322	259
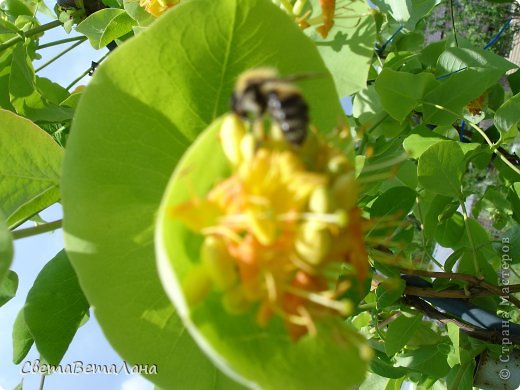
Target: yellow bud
247	147
219	264
196	285
337	165
235	301
313	243
231	133
320	201
345	191
263	228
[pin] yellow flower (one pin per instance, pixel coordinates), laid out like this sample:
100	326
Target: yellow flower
275	229
157	7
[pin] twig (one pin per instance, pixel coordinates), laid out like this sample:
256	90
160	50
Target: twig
61	54
39	229
60	41
492	335
449	293
30	33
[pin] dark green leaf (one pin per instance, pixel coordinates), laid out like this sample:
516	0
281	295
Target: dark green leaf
514	81
22	338
400	92
103	26
8	287
507	117
441	167
450	231
382	366
54	308
399	332
389	291
30	168
429	360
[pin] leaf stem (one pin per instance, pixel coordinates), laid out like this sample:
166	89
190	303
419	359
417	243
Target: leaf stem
39	229
61	41
30	33
57	56
470	235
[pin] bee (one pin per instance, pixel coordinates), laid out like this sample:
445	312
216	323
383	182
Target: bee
262	91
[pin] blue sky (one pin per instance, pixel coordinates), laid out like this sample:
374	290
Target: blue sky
31	254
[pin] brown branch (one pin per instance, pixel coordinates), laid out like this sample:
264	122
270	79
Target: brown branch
491	335
473	280
473	292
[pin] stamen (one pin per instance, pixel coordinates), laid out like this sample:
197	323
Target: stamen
343	307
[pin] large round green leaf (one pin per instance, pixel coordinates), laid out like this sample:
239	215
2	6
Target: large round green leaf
259	357
142	109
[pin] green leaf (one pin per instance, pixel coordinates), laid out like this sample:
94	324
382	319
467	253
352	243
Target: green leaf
441	167
182	78
454	92
507	117
454	59
8	287
15	8
399	332
138	13
429	360
460	377
401	92
450	231
260	357
24	94
348	48
54	308
6	248
408	12
53	92
22	338
30	168
382	366
393	205
389	291
454	335
514	81
103	26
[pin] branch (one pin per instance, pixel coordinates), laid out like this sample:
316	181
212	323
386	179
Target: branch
492	335
473	280
473	292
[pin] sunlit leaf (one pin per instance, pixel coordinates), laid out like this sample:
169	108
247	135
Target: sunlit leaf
349	46
6	248
105	25
182	77
29	169
441	167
